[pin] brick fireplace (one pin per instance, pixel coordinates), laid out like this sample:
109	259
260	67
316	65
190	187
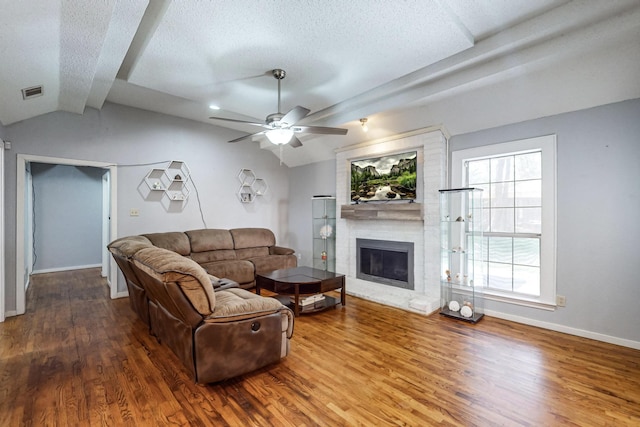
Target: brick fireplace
415	223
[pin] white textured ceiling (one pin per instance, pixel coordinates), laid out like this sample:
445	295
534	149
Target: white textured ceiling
404	64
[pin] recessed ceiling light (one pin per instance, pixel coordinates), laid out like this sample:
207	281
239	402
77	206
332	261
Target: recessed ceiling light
214	107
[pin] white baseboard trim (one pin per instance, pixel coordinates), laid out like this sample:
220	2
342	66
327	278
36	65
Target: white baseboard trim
122	294
565	329
75	267
10	313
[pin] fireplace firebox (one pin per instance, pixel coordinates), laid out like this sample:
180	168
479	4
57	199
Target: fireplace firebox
384	261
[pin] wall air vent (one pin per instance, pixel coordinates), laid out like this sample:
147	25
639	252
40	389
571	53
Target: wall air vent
32	92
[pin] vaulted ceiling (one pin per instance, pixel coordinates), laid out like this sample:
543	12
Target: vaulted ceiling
403	64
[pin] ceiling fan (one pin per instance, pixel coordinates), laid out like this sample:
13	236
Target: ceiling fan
281	128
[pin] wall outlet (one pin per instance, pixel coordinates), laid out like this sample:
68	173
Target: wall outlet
561	300
134	212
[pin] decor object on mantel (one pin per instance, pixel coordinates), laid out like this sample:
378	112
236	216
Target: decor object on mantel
250	186
461	254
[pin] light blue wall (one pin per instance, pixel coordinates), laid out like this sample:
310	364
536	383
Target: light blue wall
598	197
128	136
67	205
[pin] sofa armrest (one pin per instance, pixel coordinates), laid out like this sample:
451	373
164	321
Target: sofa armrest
279	250
239	304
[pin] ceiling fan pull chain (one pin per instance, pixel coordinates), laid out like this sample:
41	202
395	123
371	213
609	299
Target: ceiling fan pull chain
281	155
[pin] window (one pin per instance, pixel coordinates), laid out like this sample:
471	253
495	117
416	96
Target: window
518	248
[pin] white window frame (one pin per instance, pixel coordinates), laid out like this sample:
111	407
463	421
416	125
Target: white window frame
547	145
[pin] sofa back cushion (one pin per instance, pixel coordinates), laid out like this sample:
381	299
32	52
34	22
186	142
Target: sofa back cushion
210	245
167	266
175	241
252	238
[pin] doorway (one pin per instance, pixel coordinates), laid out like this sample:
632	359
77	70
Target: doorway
24	213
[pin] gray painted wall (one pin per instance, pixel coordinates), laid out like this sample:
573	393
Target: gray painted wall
67	208
598	177
128	136
598	196
598	192
305	182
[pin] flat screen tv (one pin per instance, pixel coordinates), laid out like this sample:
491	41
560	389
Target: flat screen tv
391	177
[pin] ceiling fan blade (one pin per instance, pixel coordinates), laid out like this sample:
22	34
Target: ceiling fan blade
319	130
295	115
242	138
238	121
295	142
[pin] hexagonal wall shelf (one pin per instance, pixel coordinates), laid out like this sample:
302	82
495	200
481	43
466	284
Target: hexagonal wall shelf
250	186
260	187
171	180
157	180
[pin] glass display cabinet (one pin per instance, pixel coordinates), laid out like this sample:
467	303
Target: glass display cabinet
324	233
461	244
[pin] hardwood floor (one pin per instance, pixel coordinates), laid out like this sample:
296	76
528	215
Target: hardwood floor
78	358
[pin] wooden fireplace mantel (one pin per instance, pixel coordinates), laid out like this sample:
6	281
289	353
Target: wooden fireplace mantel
383	211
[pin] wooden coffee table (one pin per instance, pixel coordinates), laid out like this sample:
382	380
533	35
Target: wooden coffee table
304	281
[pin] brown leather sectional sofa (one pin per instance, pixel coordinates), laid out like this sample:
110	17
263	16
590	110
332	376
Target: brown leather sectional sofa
217	329
238	254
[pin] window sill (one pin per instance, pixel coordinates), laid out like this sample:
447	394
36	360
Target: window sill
523	301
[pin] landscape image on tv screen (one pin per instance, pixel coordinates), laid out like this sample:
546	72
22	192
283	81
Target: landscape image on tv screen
391	177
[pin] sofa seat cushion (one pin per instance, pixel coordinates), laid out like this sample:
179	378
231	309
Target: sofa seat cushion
249	253
167	266
235	304
238	270
212	256
173	240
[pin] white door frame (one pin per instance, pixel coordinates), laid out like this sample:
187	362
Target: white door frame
2	269
106	217
21	167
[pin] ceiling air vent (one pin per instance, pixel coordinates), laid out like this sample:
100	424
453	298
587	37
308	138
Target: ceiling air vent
31	92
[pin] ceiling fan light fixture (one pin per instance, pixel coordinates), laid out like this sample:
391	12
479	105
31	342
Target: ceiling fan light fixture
214	107
363	123
280	128
279	136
